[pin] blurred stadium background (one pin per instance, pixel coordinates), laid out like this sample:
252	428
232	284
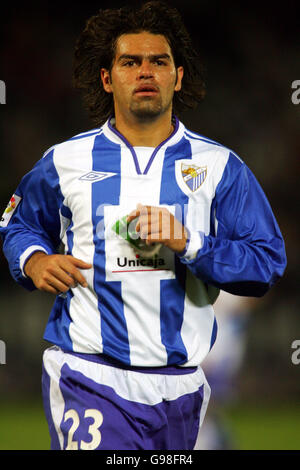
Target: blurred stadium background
251	55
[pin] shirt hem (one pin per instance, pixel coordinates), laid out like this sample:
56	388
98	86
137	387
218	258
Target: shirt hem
103	359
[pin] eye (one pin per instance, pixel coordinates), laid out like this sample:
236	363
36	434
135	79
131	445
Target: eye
129	63
160	62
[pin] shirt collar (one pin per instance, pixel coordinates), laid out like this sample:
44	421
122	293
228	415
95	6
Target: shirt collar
115	136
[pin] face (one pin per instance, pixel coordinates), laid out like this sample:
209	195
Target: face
143	78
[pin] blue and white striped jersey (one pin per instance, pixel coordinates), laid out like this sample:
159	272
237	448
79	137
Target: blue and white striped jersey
144	311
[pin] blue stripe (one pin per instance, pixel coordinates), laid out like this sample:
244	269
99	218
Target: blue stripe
107	157
57	329
70	238
213	333
67	213
52	203
173	290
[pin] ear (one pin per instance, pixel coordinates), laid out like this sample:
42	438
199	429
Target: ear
106	81
180	72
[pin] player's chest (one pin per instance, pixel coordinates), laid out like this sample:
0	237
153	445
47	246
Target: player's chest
145	177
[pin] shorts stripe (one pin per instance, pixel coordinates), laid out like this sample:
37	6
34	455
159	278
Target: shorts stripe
54	404
47	408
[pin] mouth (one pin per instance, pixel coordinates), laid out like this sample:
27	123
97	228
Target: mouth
146	90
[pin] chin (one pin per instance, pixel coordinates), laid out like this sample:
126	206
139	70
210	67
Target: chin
147	114
147	110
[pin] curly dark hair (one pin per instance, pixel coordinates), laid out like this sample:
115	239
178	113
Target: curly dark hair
96	45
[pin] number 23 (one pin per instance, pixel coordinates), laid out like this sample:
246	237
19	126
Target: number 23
93	429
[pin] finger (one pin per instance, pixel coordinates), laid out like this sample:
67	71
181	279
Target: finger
143	227
157	231
143	224
152	239
148	215
51	290
64	276
134	214
155	235
52	283
69	266
160	230
79	262
61	271
46	287
78	277
152	225
140	210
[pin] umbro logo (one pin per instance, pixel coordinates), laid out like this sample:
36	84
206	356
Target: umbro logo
93	176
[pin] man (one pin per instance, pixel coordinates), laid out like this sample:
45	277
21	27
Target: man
154	220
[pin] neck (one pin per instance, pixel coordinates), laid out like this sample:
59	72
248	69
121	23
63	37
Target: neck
145	134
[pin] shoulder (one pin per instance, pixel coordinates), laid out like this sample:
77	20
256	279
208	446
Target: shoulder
222	162
201	143
72	145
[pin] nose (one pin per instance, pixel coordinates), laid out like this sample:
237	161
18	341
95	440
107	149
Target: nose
145	70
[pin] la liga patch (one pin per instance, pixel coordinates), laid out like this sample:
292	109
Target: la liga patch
11	207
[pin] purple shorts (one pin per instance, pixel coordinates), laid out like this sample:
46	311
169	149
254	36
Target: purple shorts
94	404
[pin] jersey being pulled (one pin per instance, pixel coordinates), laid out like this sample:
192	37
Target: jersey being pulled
144	311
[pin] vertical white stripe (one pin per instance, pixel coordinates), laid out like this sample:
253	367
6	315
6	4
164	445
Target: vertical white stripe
144	332
204	406
57	408
216	223
198	320
57	403
206	398
141	303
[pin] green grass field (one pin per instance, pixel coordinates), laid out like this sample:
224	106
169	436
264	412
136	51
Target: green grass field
23	427
265	427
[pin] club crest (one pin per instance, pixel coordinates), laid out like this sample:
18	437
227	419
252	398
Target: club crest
193	175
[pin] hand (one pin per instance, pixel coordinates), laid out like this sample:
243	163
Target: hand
55	273
158	225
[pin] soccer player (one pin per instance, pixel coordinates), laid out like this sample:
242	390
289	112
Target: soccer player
154	220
